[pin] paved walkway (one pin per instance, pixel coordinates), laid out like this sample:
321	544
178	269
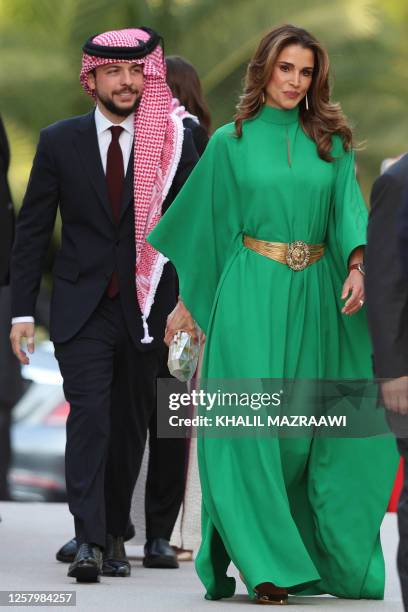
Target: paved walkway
31	533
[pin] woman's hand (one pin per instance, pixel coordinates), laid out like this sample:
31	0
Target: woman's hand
355	284
179	319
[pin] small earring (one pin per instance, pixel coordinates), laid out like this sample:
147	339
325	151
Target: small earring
263	98
307	103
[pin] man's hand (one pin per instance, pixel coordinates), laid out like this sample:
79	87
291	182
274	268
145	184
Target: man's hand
395	394
18	332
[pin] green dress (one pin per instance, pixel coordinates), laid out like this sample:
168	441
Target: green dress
301	513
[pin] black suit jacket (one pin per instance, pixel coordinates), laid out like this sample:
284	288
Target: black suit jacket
199	134
6	209
403	227
386	288
67	173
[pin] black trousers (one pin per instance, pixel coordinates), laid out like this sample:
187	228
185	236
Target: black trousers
165	482
111	387
5	448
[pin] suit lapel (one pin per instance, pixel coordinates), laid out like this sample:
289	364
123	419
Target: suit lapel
86	143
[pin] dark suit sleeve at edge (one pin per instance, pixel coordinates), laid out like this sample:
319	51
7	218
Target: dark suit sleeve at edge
386	287
6	209
34	228
402	220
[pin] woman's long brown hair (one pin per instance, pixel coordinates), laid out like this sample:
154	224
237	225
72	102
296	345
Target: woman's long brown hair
324	118
185	85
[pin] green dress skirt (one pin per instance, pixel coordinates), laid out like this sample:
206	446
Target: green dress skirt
303	513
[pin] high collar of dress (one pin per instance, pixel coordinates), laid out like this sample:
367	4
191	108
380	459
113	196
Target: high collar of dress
279	116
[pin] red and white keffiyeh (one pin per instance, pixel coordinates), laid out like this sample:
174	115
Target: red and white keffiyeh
158	142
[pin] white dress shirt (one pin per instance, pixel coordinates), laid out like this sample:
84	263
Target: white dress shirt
104	139
105	136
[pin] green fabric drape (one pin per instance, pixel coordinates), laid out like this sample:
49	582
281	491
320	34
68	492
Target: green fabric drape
301	513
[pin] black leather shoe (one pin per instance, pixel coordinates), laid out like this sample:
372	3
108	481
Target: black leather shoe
115	561
66	553
87	564
159	554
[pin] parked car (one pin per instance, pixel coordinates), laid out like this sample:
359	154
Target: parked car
38	432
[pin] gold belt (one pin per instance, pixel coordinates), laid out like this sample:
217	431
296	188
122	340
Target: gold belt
297	255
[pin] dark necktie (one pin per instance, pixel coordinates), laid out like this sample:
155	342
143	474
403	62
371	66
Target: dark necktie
114	178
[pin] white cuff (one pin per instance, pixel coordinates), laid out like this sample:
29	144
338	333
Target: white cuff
22	320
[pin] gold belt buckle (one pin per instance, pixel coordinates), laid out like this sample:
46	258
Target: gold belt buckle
298	255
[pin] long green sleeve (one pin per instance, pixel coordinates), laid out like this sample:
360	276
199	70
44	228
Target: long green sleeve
348	224
198	231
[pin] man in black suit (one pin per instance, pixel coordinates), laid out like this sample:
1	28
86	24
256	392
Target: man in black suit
112	173
387	310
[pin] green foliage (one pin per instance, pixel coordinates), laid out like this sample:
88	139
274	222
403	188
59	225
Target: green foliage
40	47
